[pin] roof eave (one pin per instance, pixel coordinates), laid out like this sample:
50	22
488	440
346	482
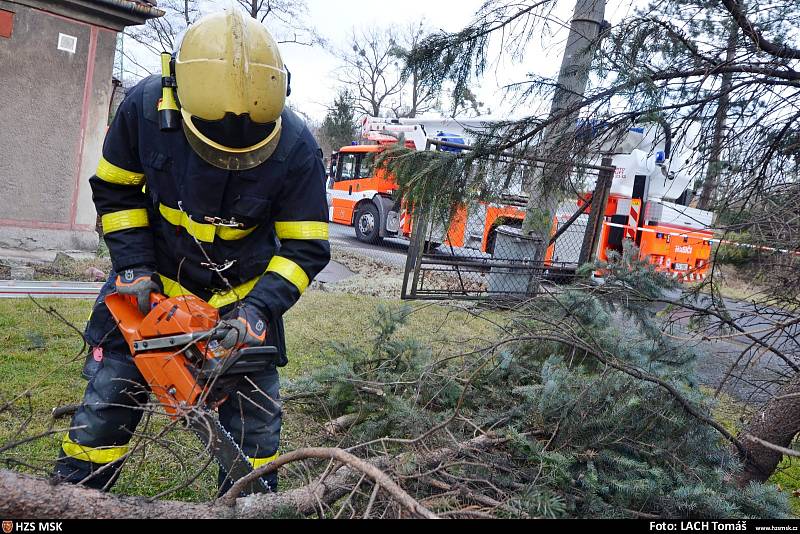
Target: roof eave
112	14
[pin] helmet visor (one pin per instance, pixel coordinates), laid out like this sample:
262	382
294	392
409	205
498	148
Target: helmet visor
228	157
234	131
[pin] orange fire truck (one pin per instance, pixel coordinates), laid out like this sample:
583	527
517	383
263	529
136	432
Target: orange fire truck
646	205
674	237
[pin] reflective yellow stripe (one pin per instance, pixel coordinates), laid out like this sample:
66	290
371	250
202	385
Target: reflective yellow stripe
122	220
279	265
237	293
258	462
97	455
232	234
174	289
108	172
201	231
289	270
302	230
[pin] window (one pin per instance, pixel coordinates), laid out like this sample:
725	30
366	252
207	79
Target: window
346	167
366	164
6	23
354	166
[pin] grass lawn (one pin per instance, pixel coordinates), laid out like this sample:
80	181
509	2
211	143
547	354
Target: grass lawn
40	369
41	359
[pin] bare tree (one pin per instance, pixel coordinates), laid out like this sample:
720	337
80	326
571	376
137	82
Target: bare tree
372	71
160	34
287	18
421	90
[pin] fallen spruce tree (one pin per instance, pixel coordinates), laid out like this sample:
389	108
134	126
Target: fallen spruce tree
580	407
599	413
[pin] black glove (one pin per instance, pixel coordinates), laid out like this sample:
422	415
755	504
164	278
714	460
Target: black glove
138	282
245	327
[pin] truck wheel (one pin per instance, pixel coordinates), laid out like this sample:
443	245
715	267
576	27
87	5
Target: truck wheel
431	246
491	239
367	224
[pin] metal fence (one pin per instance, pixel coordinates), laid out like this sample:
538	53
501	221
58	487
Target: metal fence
478	252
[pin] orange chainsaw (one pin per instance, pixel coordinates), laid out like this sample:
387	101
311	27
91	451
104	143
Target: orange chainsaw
176	348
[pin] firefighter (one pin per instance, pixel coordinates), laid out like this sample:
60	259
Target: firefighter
219	193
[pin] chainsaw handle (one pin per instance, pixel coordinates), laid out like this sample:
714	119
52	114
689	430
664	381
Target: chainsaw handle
240	362
155	299
267	351
219	333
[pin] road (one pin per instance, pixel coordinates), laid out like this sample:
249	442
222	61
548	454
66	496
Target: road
725	346
392	251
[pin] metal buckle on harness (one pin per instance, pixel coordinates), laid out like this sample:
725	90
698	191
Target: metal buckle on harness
227	223
217	267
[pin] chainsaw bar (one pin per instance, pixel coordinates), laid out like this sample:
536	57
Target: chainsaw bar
224	449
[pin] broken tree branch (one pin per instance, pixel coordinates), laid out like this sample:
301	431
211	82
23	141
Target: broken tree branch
333	453
28	496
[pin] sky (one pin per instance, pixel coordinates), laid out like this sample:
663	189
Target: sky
315	69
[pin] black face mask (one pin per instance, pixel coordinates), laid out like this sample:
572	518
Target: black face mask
234	131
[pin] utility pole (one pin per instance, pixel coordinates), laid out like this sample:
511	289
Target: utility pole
544	189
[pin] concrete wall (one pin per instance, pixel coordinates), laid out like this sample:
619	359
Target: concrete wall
53	108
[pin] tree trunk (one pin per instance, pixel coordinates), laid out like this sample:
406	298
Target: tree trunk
414	94
543	189
778	422
25	496
718	135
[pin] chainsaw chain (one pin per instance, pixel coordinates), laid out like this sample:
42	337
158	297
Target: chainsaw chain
224	449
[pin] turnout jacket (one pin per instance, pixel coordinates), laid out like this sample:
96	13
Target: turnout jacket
262	231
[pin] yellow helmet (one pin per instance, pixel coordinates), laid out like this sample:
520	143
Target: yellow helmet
232	87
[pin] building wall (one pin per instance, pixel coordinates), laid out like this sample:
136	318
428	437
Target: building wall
53	107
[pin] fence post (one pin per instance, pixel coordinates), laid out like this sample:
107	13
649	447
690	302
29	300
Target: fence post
599	201
414	256
415	249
